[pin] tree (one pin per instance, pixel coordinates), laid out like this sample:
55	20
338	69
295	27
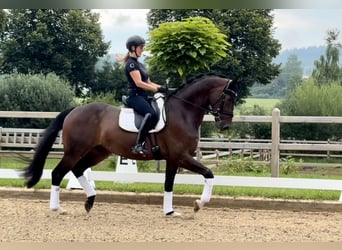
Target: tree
249	32
67	42
3	19
327	68
290	77
291	74
189	45
110	79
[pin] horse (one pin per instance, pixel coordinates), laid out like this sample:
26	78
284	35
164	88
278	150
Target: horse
91	133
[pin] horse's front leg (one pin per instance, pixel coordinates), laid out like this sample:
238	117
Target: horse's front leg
190	164
170	173
206	194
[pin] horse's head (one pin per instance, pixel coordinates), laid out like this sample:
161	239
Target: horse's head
222	103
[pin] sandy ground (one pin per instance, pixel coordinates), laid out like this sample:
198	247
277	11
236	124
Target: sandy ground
30	220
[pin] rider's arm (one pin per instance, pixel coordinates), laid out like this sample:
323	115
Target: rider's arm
150	86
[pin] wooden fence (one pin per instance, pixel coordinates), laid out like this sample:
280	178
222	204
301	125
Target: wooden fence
26	138
269	151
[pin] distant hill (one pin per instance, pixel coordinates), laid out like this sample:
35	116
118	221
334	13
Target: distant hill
306	55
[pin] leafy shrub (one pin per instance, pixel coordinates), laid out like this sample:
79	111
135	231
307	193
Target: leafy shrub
311	99
40	92
252	130
242	166
289	165
108	98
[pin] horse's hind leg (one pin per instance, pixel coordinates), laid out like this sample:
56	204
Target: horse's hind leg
78	171
58	174
95	156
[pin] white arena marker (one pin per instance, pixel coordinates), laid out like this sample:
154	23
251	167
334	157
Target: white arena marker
127	166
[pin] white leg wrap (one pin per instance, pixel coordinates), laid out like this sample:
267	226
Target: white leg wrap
86	185
167	205
54	198
207	190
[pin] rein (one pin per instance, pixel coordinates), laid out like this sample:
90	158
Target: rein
216	113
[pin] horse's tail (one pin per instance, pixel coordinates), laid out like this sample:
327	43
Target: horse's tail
34	171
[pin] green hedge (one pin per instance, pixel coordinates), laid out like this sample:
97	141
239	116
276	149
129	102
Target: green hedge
40	92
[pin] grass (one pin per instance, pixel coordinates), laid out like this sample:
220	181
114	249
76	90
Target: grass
226	168
267	104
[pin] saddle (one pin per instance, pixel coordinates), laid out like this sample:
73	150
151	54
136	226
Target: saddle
130	121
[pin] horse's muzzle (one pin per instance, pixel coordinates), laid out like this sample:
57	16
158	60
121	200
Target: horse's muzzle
223	125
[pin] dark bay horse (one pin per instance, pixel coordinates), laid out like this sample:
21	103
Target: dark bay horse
91	133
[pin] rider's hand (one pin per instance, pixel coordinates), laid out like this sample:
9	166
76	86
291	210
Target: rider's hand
163	89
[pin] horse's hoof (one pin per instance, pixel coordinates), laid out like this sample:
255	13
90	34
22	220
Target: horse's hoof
198	205
173	214
58	210
89	203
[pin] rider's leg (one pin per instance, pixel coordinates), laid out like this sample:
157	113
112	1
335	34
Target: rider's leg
143	132
144	108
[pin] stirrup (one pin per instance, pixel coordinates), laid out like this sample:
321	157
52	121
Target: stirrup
139	149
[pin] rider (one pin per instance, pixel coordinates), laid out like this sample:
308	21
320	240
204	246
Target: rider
138	85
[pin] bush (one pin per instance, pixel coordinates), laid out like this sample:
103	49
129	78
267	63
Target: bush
108	98
310	99
40	92
252	130
246	166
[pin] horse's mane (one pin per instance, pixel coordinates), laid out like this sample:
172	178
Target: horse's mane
193	80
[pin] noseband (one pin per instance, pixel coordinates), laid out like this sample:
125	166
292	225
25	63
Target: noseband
220	102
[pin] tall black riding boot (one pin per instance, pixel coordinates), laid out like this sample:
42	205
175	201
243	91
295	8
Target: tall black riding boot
143	132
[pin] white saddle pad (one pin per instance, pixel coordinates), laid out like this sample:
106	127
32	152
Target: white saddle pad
126	117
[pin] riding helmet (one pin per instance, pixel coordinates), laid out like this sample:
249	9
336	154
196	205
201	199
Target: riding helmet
134	41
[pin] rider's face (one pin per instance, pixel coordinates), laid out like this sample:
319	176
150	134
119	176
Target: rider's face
139	50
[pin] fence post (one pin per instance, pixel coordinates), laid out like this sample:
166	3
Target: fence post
230	150
275	143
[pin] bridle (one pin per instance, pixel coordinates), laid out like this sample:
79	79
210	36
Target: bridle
219	103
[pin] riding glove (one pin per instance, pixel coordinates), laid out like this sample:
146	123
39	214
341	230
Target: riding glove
163	89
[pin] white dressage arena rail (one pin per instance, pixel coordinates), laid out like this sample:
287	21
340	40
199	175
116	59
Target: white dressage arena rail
238	181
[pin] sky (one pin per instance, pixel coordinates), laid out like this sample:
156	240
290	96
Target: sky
294	28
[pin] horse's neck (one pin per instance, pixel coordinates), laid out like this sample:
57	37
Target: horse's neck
197	94
193	103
